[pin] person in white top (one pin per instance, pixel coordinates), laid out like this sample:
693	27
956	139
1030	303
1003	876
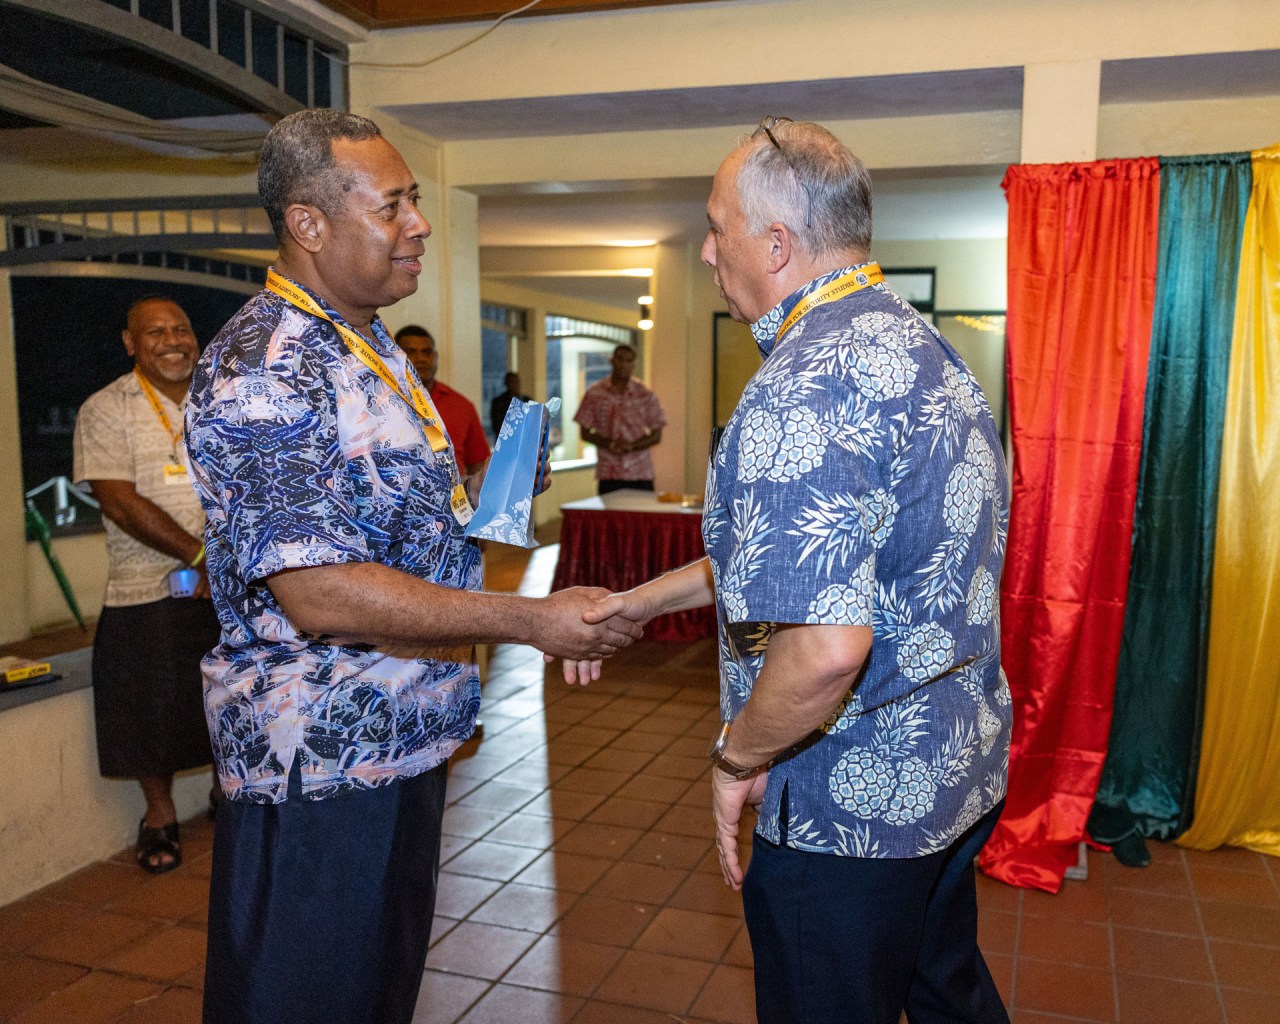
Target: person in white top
147	647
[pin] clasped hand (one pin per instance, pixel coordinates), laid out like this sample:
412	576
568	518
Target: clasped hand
611	621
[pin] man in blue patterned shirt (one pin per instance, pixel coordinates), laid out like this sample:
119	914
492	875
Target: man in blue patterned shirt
855	529
349	600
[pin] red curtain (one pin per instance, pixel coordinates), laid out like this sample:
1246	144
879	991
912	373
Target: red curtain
1082	268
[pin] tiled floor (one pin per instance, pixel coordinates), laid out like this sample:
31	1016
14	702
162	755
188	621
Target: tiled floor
579	884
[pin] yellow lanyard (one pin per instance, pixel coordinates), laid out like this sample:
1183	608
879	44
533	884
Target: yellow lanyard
846	284
361	349
149	390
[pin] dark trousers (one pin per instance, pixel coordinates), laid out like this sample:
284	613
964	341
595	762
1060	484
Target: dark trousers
850	940
320	910
617	485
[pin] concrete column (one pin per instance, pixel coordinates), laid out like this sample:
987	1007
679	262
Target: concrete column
1060	111
668	365
14	623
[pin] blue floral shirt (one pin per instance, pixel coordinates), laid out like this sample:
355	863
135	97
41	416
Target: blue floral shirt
302	456
860	482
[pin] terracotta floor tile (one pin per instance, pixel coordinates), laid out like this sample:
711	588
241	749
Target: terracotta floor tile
1230	886
1161	955
444	998
1243	966
595	839
672	851
536	773
568	871
739	951
480	950
728	996
504	1004
616	810
93	999
608	718
654	787
599	1012
1065	941
161	956
1147	1000
645	883
1234	858
29	921
689	933
458	895
605	921
440	927
25	981
562	752
528	907
665	724
477	766
471	822
678	766
1078	901
172	1006
1169	879
708	893
557	963
997	932
632	981
592	780
1048	987
485	859
97	884
193	979
1001	968
451	846
644	742
993	895
1249	1007
171	897
558	803
1153	912
530	830
1237	922
592	736
499	796
688	821
92	940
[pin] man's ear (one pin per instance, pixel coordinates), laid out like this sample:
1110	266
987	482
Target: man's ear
307	226
127	338
779	254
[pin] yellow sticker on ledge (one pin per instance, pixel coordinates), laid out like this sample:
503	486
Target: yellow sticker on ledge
30	671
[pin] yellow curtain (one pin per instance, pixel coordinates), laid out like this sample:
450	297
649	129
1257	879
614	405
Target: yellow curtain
1238	789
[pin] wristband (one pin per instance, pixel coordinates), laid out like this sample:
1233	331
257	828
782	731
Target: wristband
195	562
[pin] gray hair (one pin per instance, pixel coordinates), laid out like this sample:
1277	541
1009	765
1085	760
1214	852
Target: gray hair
811	182
297	165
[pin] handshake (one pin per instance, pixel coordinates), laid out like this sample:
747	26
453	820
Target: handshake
584	625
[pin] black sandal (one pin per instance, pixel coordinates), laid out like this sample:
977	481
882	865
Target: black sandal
157	848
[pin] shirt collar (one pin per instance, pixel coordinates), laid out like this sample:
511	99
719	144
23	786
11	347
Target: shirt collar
381	336
765	330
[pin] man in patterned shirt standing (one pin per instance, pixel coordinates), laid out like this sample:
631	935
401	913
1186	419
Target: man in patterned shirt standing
623	419
349	600
855	529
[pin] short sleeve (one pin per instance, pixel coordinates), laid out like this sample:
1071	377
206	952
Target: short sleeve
654	416
811	515
267	458
586	414
101	449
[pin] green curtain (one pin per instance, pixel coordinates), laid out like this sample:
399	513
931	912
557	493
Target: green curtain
1149	775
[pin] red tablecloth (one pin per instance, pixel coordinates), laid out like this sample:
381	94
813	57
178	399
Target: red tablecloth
620	549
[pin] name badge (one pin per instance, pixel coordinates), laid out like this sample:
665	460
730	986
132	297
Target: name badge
462	510
175	473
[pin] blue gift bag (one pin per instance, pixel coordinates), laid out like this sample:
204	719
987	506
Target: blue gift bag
505	509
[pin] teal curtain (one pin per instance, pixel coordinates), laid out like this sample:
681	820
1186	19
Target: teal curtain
1149	775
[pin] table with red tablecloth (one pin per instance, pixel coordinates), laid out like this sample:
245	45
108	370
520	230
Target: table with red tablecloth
621	539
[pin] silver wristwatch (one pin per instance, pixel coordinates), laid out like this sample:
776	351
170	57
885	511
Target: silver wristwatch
716	753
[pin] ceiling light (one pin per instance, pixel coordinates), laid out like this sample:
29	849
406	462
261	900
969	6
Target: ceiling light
645	300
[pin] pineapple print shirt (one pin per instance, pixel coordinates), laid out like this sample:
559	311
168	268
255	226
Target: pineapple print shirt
860	481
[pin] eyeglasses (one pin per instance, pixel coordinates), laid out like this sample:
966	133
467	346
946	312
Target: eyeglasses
767	124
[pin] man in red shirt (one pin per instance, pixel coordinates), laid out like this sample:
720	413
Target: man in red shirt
461	421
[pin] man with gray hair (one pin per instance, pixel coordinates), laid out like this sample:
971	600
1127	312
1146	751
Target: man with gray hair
855	526
349	598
